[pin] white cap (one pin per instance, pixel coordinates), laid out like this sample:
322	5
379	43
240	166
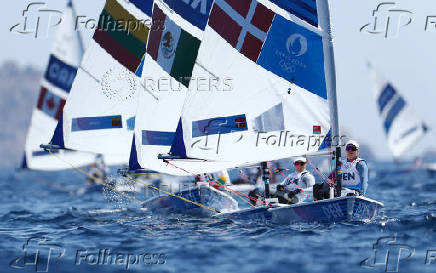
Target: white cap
300	158
352	142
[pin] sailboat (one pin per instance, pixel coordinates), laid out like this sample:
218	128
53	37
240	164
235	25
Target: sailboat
403	128
99	115
65	56
271	67
279	56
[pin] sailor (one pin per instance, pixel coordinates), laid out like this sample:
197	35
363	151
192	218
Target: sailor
354	169
290	191
97	170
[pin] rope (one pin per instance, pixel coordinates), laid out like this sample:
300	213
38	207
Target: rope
48	183
136	181
325	178
219	185
93	178
172	194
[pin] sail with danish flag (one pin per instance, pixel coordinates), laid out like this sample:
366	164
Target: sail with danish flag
274	52
65	57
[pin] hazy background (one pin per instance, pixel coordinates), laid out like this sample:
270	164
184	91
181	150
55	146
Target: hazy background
408	61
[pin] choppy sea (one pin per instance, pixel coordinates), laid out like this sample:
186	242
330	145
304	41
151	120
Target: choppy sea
51	222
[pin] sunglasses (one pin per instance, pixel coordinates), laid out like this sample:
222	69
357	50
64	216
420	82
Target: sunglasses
351	148
299	163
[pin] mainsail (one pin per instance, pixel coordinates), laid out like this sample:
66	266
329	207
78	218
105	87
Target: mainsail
99	115
266	95
236	82
171	54
402	126
65	56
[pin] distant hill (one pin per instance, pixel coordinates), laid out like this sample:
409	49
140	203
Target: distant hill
19	89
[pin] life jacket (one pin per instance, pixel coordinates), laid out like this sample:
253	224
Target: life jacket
294	181
350	175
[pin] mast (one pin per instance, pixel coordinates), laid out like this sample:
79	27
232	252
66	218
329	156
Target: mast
79	35
265	177
330	77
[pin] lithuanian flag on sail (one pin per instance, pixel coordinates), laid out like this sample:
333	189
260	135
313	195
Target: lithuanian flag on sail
122	35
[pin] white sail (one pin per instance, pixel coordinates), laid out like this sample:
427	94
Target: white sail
269	97
171	54
99	115
402	126
65	56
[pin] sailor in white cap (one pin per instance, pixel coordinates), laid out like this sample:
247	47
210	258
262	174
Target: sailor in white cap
354	169
291	189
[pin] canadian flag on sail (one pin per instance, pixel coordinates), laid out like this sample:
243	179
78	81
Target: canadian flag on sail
50	104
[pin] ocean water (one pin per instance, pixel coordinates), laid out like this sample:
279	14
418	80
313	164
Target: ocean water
70	229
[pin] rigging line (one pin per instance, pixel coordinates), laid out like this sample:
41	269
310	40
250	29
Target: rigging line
205	69
89	74
148	91
100	180
222	186
281	173
48	183
325	178
128	196
173	195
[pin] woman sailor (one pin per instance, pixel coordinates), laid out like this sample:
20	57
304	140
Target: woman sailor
291	190
354	169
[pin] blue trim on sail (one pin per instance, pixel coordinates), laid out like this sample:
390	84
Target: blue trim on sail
58	136
327	142
219	125
178	148
393	113
140	68
69	4
96	123
145	6
303	9
131	123
133	160
24	162
157	138
385	97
